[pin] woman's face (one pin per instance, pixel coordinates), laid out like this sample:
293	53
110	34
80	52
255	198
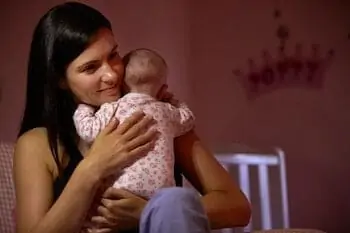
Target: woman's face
96	75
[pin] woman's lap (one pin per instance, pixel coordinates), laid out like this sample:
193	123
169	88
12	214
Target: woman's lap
174	210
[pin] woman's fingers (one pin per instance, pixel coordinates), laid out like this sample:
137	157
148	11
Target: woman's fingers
164	95
117	194
130	122
111	126
169	96
105	217
102	222
112	193
161	92
147	139
104	211
138	128
141	151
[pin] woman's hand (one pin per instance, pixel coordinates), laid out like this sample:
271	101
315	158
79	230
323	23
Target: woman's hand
120	210
118	146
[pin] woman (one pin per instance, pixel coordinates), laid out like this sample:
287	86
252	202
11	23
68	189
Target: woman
74	58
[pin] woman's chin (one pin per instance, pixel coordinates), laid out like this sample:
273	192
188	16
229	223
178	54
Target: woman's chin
110	98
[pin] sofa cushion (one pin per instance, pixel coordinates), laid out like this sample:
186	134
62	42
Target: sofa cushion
7	192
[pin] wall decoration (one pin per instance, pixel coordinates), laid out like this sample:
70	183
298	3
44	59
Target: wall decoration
305	67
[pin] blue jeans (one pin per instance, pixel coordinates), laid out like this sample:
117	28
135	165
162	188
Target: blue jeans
174	210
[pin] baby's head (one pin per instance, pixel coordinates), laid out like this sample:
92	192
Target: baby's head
145	71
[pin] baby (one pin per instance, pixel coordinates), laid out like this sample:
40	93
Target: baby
145	74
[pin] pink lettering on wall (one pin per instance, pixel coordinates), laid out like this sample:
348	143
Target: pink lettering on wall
304	67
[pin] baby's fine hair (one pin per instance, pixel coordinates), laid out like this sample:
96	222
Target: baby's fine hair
143	66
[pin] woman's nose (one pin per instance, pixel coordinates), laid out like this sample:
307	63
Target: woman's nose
109	75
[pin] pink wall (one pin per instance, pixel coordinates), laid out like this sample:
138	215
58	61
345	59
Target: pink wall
313	126
202	44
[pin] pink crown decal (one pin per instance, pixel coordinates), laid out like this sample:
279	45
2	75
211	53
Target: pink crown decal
303	68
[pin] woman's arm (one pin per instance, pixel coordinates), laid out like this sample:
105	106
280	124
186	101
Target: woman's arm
114	148
34	180
225	204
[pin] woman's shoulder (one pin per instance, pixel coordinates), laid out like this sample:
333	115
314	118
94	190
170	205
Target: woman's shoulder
33	146
33	138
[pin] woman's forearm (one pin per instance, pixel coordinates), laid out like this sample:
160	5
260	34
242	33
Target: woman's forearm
69	211
226	206
224	211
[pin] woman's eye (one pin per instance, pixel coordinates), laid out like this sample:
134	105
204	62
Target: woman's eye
90	69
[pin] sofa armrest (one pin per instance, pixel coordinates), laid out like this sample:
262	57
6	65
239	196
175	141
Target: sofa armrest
7	190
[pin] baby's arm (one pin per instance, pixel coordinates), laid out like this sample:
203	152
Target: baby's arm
89	123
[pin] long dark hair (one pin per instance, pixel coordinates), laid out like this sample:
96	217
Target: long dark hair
61	35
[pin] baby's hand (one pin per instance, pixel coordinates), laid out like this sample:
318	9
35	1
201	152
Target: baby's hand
174	102
166	96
